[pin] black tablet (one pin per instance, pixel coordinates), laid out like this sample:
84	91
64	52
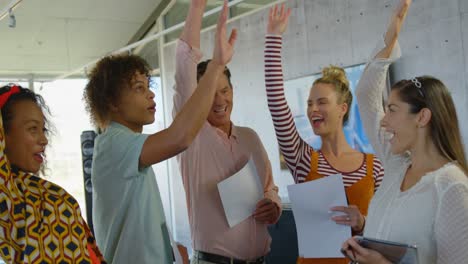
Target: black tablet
393	251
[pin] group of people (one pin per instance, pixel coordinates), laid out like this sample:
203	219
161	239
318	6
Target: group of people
422	199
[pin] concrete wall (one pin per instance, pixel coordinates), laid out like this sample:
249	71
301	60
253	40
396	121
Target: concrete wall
323	32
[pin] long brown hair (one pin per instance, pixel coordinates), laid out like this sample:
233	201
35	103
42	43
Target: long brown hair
429	92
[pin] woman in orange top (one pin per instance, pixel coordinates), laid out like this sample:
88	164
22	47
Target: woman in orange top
39	221
328	109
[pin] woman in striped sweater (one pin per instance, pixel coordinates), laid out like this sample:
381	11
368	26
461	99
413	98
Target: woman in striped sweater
328	104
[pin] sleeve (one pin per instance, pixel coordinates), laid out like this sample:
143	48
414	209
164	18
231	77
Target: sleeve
451	225
5	168
378	173
270	190
187	59
10	199
369	94
94	253
290	143
123	151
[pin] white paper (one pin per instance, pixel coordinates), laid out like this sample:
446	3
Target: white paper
240	194
318	236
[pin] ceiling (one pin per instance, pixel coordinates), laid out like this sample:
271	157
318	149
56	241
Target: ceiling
55	37
52	37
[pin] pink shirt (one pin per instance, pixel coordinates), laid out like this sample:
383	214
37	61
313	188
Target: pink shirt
213	157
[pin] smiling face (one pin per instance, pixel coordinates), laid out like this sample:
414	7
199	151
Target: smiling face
220	113
26	136
135	107
323	110
400	124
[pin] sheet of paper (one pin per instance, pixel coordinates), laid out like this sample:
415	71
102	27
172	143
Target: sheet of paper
240	194
319	236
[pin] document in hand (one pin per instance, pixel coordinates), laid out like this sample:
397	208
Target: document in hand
319	236
240	194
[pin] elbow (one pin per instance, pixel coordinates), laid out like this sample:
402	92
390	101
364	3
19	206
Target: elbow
359	91
182	140
178	145
360	95
184	143
186	140
181	148
181	135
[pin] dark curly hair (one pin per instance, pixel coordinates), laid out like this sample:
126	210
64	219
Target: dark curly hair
106	81
25	94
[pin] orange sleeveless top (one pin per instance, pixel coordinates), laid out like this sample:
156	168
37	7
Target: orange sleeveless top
358	194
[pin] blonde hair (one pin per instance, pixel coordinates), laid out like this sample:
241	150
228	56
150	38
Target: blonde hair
429	92
336	76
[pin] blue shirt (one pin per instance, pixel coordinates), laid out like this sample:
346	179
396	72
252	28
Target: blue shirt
128	214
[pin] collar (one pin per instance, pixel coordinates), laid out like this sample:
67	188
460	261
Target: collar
117	125
234	132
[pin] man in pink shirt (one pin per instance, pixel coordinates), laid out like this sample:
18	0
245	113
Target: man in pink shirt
219	151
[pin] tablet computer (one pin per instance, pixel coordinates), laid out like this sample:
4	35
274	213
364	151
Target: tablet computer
393	251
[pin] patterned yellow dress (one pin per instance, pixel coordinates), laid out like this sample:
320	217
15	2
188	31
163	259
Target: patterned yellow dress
39	221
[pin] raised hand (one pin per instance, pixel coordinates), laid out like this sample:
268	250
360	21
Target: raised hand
224	48
278	20
394	28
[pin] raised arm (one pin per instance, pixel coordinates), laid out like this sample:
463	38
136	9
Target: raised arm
188	55
372	84
193	114
393	30
289	140
193	22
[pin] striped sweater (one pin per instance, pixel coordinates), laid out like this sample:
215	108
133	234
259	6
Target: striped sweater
295	150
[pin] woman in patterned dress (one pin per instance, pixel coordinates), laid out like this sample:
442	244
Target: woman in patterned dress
39	221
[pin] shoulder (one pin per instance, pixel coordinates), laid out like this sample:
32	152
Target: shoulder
448	176
54	191
247	132
247	137
119	136
376	163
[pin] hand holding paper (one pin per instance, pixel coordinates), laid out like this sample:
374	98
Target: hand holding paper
351	216
267	212
318	235
240	194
